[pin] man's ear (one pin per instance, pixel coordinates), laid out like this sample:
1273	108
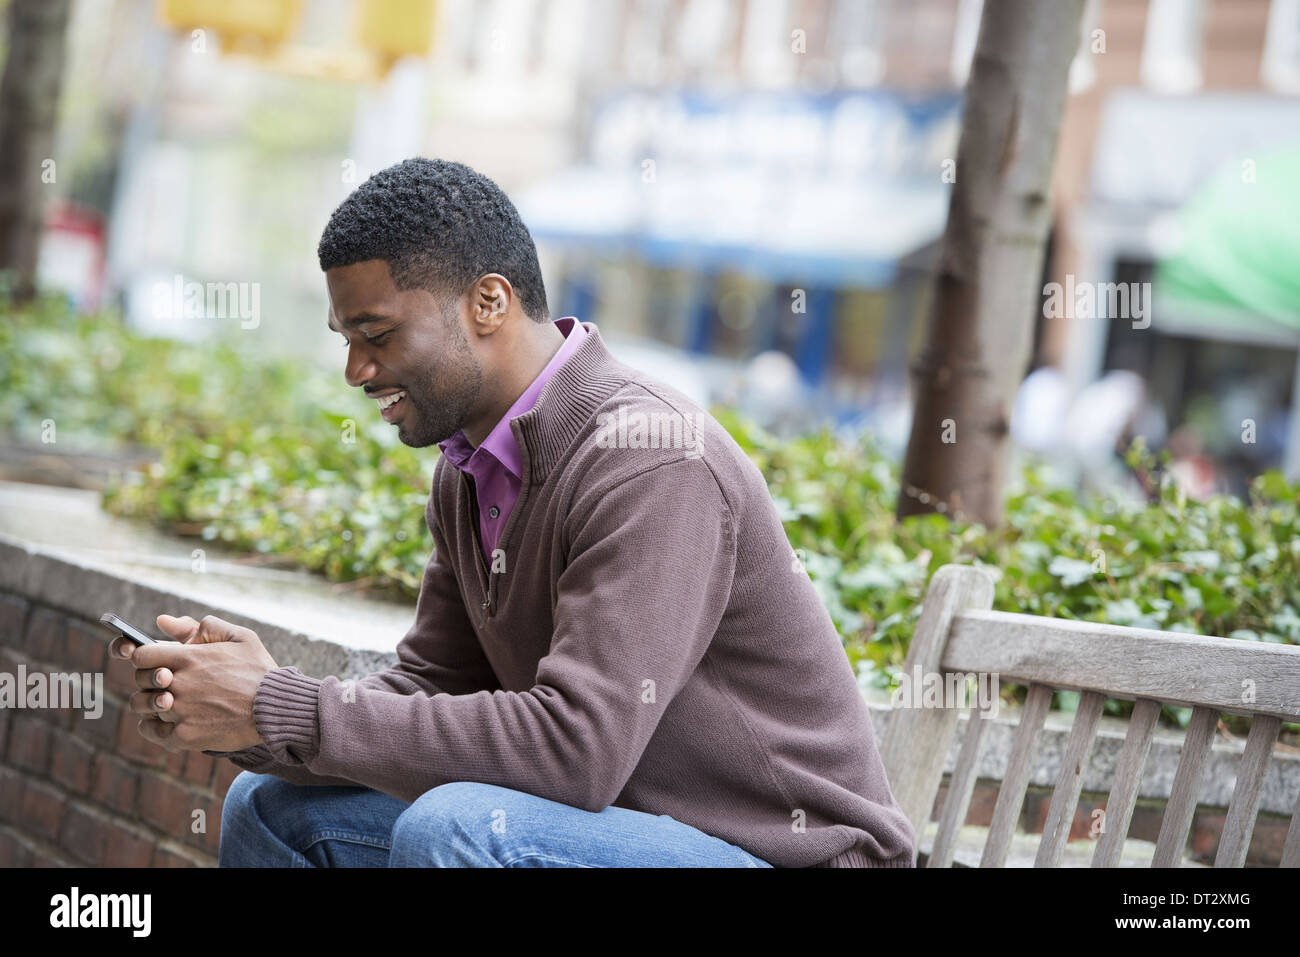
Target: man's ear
490	299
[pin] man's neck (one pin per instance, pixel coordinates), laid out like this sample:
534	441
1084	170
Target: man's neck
540	346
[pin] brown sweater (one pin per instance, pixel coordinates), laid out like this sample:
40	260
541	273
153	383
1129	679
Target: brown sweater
644	637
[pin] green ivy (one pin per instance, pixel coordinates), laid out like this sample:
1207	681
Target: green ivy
1225	566
279	458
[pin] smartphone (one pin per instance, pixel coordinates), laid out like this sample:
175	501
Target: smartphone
125	629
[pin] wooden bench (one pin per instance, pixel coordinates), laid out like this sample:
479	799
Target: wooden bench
959	633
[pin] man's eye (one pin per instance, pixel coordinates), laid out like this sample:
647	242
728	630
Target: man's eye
378	340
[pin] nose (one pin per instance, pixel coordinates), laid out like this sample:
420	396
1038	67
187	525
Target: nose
359	368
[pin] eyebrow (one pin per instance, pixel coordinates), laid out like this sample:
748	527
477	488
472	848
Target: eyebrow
360	319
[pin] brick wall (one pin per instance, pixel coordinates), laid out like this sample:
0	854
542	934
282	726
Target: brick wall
86	791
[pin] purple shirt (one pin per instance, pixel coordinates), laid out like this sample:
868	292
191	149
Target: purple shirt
495	466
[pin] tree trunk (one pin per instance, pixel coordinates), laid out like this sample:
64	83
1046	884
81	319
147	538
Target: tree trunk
986	291
29	99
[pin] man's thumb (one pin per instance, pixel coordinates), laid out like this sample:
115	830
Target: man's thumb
182	629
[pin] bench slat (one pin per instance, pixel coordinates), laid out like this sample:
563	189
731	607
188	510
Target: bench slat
1291	849
1186	789
1128	777
960	787
1011	796
917	739
1065	796
1126	662
959	634
1237	829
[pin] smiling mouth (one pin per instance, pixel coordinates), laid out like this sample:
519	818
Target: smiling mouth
392	406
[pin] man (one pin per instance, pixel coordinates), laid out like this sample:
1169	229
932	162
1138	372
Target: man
616	658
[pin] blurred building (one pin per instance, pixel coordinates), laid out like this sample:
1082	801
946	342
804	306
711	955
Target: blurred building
718	177
726	181
1176	167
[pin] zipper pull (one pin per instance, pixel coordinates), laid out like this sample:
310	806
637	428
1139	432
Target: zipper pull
483	618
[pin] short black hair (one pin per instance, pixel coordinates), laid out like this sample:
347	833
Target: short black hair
439	225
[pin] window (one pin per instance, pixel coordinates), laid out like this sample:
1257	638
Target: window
1280	68
858	29
965	33
766	57
1171	48
703	34
1083	72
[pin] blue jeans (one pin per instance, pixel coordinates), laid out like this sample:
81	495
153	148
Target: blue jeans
268	822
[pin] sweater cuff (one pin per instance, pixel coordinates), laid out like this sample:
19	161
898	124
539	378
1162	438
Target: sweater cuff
285	712
255	758
258	754
856	857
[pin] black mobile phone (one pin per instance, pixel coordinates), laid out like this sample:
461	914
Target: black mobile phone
125	629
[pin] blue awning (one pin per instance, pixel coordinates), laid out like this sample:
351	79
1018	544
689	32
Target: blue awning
705	183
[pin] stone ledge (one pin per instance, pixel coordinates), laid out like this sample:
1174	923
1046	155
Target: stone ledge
86	589
70	524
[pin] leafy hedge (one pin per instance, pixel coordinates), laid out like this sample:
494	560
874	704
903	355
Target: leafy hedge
281	459
1226	566
269	456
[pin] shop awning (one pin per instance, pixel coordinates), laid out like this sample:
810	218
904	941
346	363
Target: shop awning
831	190
1237	255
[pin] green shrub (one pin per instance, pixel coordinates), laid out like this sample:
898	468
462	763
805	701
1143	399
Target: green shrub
1225	566
284	460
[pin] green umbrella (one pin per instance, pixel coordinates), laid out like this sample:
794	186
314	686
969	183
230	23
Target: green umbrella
1239	255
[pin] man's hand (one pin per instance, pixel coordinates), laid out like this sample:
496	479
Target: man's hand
210	681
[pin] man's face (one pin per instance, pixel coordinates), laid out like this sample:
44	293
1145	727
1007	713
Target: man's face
409	341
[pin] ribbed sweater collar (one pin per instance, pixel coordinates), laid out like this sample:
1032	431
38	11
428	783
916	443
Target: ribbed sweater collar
566	405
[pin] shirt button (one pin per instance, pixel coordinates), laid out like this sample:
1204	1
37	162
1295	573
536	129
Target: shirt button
494	511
